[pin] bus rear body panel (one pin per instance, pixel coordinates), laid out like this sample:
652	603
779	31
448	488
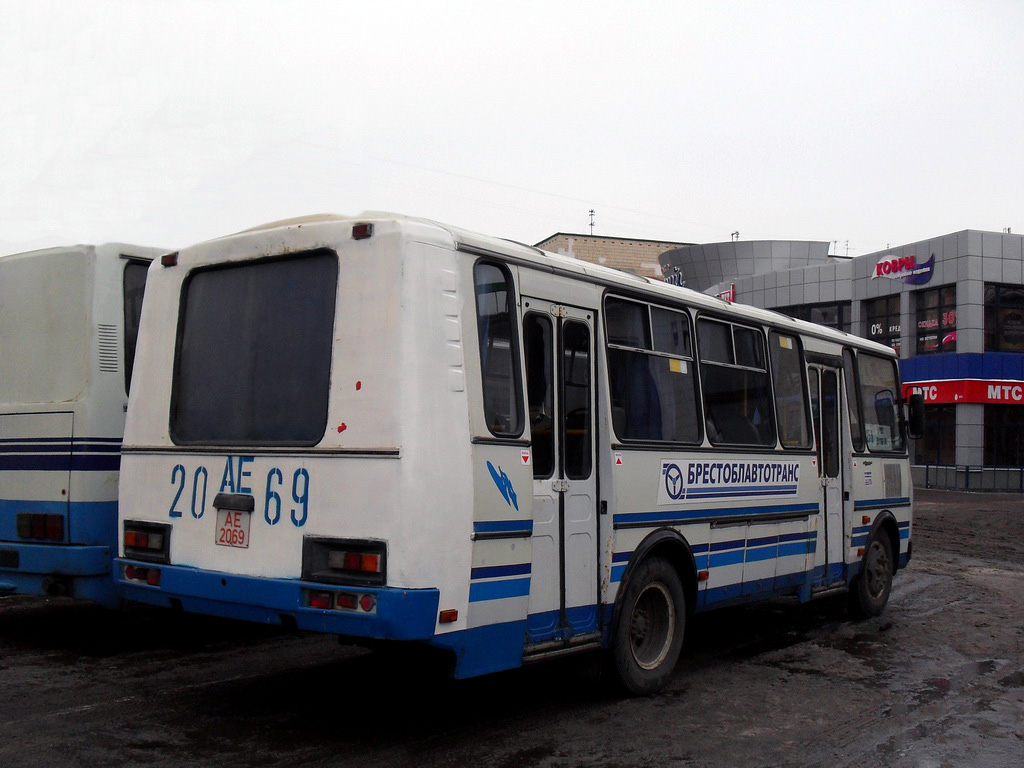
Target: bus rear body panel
64	316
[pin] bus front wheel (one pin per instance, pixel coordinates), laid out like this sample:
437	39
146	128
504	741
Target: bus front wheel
870	590
649	633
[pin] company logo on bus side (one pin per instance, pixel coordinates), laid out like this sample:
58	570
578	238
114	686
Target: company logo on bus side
726	479
280	495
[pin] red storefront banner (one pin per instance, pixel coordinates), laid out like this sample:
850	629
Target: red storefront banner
989	391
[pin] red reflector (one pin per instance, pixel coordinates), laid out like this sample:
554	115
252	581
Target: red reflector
131	572
347	601
703	575
169	259
319	599
362	231
153	577
865	520
448	616
366	602
860	552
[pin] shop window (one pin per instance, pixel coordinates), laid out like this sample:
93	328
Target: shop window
938	443
1004	435
936	320
831	315
1004	318
882	321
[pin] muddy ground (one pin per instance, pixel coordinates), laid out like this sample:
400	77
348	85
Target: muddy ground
938	680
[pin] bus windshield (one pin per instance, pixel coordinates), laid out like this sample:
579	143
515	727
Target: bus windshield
254	353
879	399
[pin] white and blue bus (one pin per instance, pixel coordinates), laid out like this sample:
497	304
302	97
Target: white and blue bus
391	429
68	323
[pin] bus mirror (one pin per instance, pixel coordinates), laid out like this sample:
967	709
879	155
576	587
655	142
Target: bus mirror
916	414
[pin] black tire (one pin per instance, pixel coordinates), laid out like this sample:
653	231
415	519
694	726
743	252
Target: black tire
870	590
649	630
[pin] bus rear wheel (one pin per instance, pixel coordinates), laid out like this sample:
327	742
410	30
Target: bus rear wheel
649	633
870	590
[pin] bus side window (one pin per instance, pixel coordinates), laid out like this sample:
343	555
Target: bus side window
651	375
499	365
883	429
540	392
737	392
853	400
134	290
790	392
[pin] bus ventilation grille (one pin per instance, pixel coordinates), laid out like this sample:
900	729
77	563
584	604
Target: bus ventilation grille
107	336
893	481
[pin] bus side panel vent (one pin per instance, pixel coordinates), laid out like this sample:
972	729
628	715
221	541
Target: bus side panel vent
893	481
107	338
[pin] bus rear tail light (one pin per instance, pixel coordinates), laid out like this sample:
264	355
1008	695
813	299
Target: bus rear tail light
344	561
147	541
364	562
139	574
340	601
49	527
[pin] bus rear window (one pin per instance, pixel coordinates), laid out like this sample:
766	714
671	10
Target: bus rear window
254	353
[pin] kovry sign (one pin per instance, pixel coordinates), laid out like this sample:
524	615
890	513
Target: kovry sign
905	268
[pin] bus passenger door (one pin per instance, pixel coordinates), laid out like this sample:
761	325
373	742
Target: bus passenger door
825	393
559	353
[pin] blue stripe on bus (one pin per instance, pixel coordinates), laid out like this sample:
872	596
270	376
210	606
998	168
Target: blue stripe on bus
727	558
738	551
802	548
503	526
64	446
720	493
897	501
498	590
760	554
73	462
718	546
495	571
60	454
681	516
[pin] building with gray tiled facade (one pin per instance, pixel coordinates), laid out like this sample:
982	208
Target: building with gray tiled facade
639	257
952	306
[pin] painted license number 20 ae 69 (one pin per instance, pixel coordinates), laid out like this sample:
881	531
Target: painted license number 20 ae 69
232	528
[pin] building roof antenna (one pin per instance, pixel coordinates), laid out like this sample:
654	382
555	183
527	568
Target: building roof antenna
591	222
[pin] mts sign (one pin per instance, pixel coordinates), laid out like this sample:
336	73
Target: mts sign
1013	393
967	391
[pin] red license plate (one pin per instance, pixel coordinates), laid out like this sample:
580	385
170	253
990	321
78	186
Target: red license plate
233	528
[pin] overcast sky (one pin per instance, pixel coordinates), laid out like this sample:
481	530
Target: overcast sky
167	123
